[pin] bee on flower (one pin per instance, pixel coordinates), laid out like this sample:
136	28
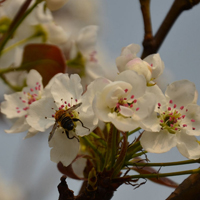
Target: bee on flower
63	108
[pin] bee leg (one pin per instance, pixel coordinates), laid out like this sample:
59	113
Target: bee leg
75	120
67	133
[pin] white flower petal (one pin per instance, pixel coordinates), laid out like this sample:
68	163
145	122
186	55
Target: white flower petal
40	114
100	109
159	96
32	78
158	142
125	111
67	89
56	34
31	132
144	107
78	166
138	82
89	120
181	92
141	67
19	126
192	119
63	149
188	145
128	53
122	123
151	123
93	88
13	105
156	63
87	39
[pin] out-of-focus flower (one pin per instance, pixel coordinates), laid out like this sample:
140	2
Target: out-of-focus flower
151	67
65	93
175	122
55	4
82	55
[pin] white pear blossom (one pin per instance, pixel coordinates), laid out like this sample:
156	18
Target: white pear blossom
16	105
84	51
123	102
151	67
176	121
66	92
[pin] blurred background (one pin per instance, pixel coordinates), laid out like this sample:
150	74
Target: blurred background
25	168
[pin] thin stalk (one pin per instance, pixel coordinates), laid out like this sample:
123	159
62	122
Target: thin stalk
15	25
193	171
133	131
18	43
139	154
98	138
94	148
185	162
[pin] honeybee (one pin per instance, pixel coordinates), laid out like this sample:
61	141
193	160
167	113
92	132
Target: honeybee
64	119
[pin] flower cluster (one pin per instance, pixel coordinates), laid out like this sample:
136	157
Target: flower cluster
131	101
128	102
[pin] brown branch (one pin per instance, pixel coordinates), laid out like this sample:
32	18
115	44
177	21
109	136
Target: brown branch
145	8
153	45
188	189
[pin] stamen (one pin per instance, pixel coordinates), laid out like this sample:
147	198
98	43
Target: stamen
137	109
169	108
159	104
174	105
193	128
170	101
126	90
184	125
181	107
192	120
132	96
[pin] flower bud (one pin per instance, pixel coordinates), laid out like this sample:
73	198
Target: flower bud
141	67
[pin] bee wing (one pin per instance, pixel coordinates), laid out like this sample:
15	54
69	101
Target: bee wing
74	107
53	131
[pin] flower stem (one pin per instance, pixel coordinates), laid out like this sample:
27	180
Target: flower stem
139	154
21	15
95	150
133	131
185	162
18	44
162	174
98	138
